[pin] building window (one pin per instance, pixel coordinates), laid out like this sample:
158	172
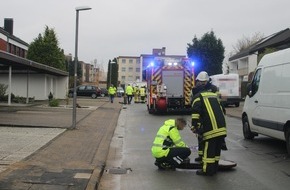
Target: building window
17	51
123	69
123	60
22	52
130	69
130	78
256	82
138	70
131	61
123	77
137	78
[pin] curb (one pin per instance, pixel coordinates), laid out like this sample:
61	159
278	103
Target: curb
101	157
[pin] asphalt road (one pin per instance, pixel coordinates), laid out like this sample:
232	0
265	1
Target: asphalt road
262	164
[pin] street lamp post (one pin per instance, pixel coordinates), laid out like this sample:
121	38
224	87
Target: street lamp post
112	62
76	63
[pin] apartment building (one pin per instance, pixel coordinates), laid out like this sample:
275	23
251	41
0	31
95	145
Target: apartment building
130	69
90	74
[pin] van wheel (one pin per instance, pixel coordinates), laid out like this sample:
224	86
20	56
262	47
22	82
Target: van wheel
287	136
246	129
237	104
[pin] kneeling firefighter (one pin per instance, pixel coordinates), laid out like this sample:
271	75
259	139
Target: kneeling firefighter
168	147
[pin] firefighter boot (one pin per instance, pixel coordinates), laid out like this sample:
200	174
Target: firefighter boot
198	159
224	146
164	166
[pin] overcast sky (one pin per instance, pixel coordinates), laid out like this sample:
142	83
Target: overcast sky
132	27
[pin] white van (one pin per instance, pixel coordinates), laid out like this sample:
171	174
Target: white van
229	88
267	106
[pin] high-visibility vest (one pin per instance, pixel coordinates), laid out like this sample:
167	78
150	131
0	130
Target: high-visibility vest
129	90
112	90
166	137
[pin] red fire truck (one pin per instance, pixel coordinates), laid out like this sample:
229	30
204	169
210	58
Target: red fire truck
169	84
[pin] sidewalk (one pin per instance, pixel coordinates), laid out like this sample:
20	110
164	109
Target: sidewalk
74	159
235	111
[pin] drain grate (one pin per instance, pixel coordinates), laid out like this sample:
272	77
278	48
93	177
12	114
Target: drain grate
118	170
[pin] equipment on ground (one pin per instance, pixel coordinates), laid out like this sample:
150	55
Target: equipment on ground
169	83
223	165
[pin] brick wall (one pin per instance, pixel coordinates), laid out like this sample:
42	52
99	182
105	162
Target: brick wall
3	46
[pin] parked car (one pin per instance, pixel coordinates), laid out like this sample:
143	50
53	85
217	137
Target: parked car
120	92
104	92
86	90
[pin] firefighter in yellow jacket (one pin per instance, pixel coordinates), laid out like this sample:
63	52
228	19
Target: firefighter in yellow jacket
168	147
142	94
209	121
136	93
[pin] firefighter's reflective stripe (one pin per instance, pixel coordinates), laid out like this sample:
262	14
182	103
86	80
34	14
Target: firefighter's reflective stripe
217	158
161	136
195	100
210	112
205	159
200	152
195	116
215	133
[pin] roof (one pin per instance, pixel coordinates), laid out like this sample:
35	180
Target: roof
275	40
13	37
21	65
279	40
134	57
242	53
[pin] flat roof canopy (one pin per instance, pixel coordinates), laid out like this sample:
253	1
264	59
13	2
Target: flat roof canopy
21	65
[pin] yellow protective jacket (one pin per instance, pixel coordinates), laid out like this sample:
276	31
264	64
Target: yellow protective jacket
135	90
142	91
207	115
167	136
112	90
129	90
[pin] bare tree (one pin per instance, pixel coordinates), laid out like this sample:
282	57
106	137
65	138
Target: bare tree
246	42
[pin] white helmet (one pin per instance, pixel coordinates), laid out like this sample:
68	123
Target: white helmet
202	76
